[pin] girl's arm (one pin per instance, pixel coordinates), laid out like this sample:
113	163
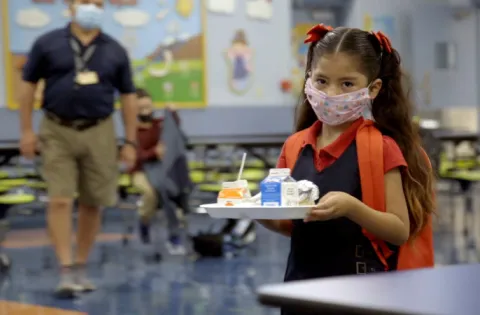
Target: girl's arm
283	227
392	226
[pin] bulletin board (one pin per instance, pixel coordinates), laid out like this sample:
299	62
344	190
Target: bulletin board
165	40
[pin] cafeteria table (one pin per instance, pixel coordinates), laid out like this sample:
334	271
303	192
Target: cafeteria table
450	290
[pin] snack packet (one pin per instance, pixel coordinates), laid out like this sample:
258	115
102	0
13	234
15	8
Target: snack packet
308	193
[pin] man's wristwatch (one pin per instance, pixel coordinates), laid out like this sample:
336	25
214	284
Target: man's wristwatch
132	143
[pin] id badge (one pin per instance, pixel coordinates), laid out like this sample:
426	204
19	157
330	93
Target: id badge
87	78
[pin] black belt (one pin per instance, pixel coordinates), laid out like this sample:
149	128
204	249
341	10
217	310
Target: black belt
76	124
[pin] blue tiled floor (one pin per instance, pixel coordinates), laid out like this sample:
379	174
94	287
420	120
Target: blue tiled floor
128	284
180	286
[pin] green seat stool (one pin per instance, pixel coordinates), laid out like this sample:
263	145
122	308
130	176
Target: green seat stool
16	199
253	187
226	177
4	189
13	182
464	169
213	188
254	163
197	176
467	175
37	185
196	165
250	174
125	180
133	190
254	174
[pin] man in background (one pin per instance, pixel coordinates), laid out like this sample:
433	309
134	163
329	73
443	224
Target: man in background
82	67
151	149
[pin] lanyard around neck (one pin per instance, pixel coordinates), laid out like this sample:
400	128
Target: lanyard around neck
80	59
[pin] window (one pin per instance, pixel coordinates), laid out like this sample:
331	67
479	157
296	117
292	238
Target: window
445	55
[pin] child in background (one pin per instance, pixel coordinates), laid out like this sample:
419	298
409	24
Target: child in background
350	74
151	149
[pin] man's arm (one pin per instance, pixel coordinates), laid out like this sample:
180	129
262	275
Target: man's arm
126	88
33	71
129	114
27	99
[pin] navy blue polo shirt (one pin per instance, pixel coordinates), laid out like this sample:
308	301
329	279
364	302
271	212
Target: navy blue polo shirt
52	58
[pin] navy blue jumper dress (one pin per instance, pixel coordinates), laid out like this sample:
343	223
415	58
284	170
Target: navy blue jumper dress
336	247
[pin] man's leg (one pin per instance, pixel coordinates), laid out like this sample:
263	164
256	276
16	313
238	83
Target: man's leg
89	220
149	204
98	172
59	170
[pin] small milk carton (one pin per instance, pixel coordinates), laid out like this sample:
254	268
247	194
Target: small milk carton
279	189
233	193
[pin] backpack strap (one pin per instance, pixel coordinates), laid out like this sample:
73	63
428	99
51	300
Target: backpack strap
370	161
420	254
292	148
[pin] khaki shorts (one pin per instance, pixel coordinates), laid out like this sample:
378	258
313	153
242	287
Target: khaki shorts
83	162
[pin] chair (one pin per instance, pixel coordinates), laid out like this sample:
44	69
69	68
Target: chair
170	177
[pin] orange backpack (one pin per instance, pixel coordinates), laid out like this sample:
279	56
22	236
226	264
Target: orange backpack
417	253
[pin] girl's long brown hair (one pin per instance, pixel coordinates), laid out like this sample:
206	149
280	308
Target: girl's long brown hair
392	111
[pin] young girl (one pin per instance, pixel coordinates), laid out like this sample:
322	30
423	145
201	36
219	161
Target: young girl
352	73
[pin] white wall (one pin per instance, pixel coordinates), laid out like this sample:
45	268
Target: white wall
464	80
460	86
399	9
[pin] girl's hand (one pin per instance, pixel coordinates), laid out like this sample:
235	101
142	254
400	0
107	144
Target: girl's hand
333	205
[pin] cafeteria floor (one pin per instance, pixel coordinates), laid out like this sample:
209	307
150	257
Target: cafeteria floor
127	285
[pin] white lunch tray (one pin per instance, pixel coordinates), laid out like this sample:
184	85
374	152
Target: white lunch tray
255	212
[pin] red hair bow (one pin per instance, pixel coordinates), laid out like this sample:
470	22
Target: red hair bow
317	32
383	40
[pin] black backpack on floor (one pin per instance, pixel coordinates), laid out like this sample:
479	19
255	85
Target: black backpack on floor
238	233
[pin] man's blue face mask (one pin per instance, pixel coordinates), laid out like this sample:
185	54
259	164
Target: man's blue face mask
88	16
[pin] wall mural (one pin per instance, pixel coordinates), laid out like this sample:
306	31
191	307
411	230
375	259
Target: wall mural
221	6
259	9
239	58
299	52
165	40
